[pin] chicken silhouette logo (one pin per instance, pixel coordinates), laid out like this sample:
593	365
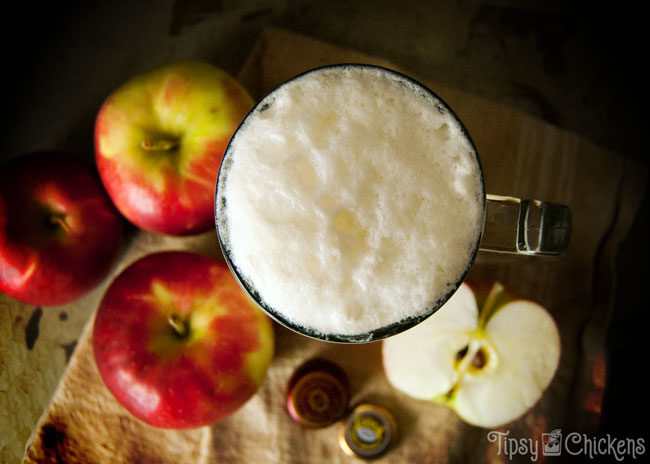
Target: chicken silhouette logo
552	443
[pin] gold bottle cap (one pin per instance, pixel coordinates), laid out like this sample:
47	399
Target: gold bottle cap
368	432
318	394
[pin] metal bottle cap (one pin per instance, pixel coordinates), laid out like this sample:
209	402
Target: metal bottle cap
368	432
318	394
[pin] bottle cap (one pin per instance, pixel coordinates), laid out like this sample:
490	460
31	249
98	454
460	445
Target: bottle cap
368	432
318	394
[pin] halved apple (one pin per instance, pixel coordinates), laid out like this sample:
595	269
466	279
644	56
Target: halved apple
489	366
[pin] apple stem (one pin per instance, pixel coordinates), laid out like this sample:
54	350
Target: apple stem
490	303
58	220
158	145
179	324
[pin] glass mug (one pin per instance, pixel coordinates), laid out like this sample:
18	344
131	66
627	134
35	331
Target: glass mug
273	162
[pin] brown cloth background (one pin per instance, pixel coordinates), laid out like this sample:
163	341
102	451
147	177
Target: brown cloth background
521	156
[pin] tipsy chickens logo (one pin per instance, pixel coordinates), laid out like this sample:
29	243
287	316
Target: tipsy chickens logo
573	444
552	443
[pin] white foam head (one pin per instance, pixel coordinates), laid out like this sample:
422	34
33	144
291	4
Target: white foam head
350	199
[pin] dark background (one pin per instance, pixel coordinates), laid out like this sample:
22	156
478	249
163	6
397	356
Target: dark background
581	69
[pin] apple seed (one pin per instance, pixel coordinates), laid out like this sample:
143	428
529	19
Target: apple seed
462	353
480	359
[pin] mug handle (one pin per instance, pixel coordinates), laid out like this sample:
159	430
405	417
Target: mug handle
540	227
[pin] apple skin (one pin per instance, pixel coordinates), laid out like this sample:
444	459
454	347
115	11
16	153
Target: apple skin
159	141
178	343
59	232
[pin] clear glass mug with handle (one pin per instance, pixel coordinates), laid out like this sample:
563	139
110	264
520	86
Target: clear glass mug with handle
300	121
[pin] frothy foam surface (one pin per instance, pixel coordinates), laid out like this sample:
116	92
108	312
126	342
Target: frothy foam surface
353	200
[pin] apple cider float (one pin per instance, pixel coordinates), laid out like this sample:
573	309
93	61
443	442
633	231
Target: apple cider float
349	201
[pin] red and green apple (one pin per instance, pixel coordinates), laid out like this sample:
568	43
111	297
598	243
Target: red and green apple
159	141
177	341
490	366
59	232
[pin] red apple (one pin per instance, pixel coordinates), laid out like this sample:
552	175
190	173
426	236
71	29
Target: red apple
159	141
59	232
178	343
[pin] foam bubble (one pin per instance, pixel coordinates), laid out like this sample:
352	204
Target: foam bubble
350	199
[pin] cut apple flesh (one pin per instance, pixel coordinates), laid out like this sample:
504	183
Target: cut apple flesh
413	360
490	369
